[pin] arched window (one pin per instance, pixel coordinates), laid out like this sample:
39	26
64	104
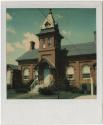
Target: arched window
70	73
44	46
49	42
86	72
26	74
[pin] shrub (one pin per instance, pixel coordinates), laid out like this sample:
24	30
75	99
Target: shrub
46	91
62	85
74	89
9	87
22	88
86	88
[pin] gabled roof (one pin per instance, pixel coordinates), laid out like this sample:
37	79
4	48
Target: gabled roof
49	21
80	49
11	66
29	55
49	62
73	50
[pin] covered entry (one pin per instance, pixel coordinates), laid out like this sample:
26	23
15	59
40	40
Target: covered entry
46	72
48	76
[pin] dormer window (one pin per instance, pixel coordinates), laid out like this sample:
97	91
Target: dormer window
47	24
49	21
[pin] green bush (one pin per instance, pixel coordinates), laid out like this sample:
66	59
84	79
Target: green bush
74	89
62	85
23	88
46	90
9	87
86	88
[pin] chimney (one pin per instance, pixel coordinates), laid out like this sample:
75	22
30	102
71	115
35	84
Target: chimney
32	45
94	35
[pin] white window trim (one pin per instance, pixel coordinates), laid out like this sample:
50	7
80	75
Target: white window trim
26	79
67	73
83	73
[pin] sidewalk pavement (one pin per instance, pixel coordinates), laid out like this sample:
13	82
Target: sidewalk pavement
86	97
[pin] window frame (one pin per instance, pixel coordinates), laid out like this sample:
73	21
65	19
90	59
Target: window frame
86	76
44	44
27	76
70	77
49	41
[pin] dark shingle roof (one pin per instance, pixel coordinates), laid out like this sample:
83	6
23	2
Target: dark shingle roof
29	55
80	49
11	66
50	62
49	30
73	50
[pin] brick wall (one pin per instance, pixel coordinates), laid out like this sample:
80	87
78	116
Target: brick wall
78	64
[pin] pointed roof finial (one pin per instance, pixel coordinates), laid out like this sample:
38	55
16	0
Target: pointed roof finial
50	11
49	20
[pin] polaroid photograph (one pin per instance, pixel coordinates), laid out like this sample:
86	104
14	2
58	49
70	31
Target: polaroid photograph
51	62
55	56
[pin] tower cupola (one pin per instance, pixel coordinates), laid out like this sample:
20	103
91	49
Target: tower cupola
49	22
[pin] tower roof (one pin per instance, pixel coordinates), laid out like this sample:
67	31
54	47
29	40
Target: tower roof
49	21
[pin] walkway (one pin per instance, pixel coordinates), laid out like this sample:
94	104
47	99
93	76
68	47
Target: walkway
86	97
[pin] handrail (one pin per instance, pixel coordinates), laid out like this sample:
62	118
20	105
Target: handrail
34	83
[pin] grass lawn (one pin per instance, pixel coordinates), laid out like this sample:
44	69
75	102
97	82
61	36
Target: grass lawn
68	95
62	95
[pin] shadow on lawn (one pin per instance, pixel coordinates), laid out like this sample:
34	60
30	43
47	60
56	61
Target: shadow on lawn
68	95
12	94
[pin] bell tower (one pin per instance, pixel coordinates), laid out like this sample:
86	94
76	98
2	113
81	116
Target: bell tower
50	40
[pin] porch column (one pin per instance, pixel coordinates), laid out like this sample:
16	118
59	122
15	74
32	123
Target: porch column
92	79
77	74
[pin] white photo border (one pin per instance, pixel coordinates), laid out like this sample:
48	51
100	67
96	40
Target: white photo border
62	111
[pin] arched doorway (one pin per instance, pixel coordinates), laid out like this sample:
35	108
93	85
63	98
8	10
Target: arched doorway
46	74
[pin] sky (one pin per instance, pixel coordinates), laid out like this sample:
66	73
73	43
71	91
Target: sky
22	24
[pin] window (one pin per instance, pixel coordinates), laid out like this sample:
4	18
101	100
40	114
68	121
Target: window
70	73
26	74
44	44
47	24
86	72
49	42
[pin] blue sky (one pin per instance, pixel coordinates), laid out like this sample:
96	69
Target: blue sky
76	25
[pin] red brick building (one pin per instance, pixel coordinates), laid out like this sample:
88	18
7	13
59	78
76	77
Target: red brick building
52	62
11	76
